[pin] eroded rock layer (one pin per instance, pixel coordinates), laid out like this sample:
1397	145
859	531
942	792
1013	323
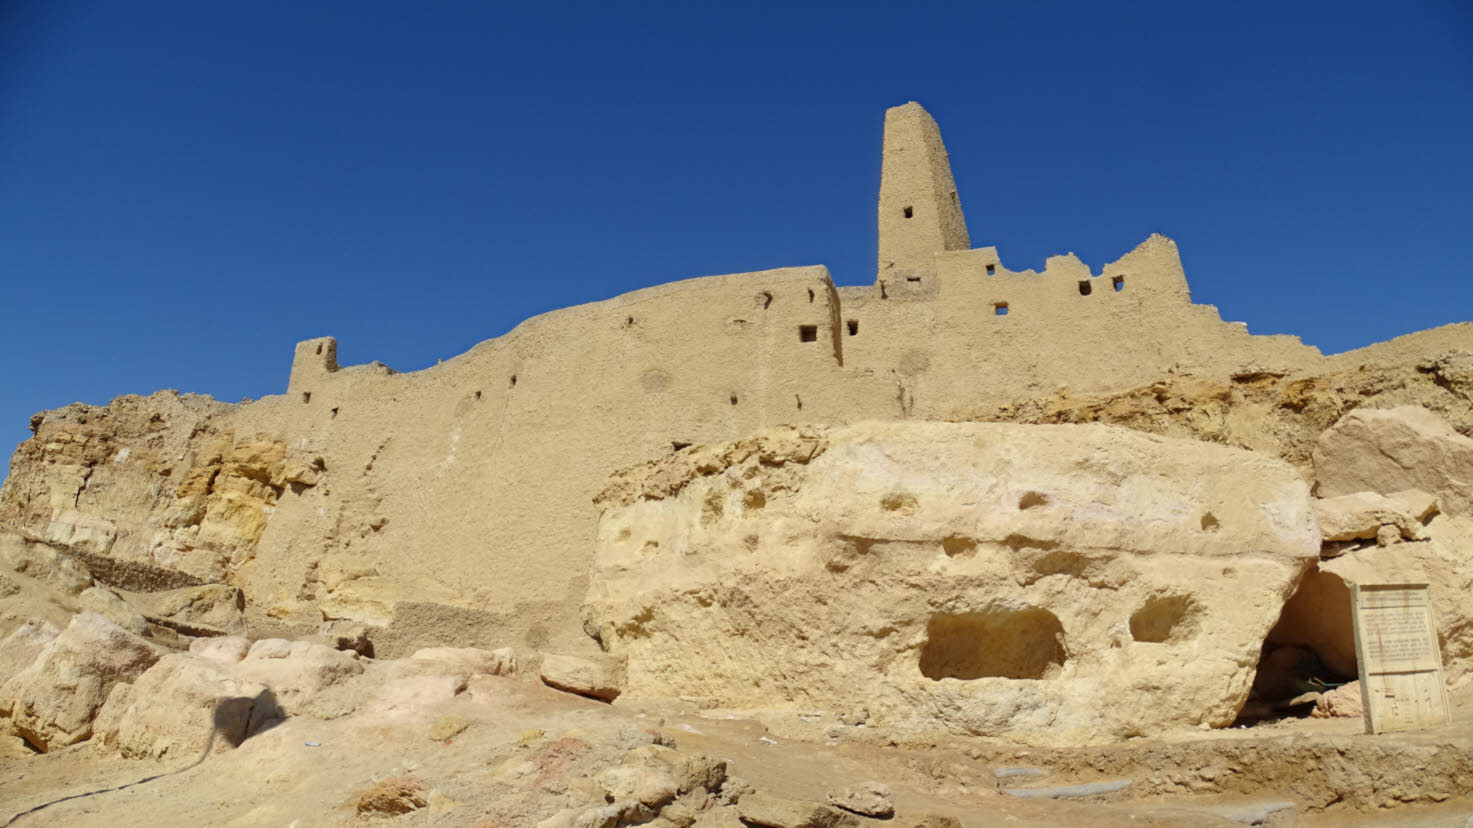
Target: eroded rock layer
1051	584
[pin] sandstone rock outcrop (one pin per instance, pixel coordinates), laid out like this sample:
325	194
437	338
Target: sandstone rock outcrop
52	702
1049	584
598	678
1390	450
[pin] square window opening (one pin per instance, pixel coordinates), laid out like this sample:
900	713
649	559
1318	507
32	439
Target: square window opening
992	270
1119	283
1085	288
1000	308
807	333
853	327
909	212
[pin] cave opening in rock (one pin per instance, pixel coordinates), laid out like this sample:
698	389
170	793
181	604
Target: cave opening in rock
1309	651
1025	643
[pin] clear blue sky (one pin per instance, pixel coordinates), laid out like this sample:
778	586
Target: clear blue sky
189	188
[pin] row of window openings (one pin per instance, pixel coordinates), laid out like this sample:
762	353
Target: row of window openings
809	333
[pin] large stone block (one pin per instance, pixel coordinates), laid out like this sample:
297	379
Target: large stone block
1052	584
1388	450
53	701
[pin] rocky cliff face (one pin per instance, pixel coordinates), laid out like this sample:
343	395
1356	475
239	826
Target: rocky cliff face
1050	584
156	481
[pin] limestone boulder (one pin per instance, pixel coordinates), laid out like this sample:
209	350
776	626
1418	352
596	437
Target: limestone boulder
24	644
1050	584
53	701
598	678
300	673
471	660
213	607
182	706
1394	449
111	606
1363	514
44	562
229	649
1343	702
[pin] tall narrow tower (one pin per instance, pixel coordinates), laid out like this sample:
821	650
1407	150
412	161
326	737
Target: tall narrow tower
920	214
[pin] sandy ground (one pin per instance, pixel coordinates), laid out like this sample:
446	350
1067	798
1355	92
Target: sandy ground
530	750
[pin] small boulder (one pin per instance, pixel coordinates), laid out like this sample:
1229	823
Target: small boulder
1362	516
1341	703
871	799
297	671
1395	449
21	647
229	649
502	662
601	679
111	606
392	797
210	606
775	812
44	562
53	701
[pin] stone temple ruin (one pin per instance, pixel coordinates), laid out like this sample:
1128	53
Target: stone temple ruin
1056	508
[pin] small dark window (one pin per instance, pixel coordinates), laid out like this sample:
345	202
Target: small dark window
1085	288
810	294
733	399
306	396
853	327
909	212
478	396
1001	308
807	333
915	280
992	270
334	412
319	349
1119	283
513	380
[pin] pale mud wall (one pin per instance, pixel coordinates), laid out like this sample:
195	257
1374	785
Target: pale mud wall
942	334
454	503
471	483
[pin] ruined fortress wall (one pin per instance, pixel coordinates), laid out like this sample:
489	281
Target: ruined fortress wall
479	472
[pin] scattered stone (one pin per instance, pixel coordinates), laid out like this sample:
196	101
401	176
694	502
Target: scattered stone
1364	515
602	679
228	649
111	606
855	718
210	606
774	812
1069	791
448	727
21	647
345	635
394	796
871	799
45	563
502	662
1343	702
